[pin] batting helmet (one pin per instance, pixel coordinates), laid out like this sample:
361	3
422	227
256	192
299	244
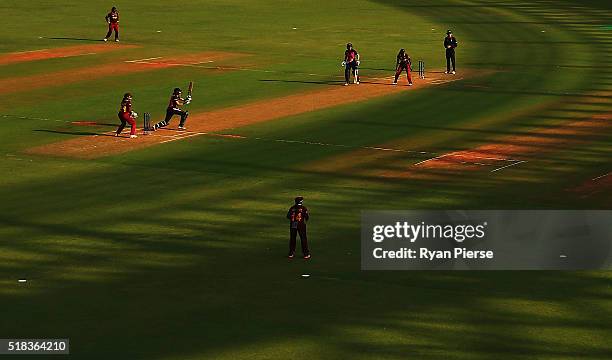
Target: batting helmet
177	90
299	200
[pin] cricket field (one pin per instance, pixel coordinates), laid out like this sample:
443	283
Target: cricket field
173	245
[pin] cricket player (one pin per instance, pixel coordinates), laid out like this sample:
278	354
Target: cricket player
450	43
298	216
174	108
351	63
127	115
403	63
112	18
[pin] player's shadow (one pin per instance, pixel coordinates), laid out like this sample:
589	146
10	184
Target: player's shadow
319	82
73	39
75	133
377	69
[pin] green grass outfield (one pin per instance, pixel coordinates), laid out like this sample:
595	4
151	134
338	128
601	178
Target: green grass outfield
177	251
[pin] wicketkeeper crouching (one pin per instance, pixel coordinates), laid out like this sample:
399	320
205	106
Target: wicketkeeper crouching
127	115
174	108
298	216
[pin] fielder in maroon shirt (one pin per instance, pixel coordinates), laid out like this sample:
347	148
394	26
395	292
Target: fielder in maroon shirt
112	18
403	63
127	115
298	216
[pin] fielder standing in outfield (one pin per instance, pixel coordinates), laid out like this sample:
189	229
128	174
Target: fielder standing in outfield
298	216
127	115
174	108
450	43
351	63
403	63
112	18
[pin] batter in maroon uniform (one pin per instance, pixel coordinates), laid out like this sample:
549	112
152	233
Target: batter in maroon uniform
403	63
112	18
298	216
126	115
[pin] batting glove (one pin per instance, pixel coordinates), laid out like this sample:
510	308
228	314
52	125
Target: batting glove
344	63
134	114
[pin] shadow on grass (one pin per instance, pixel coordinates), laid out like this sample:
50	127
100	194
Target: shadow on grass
317	82
190	245
74	133
74	39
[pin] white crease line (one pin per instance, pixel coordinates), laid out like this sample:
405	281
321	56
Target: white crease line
67	56
385	149
181	137
602	176
482	158
139	60
184	134
26	52
176	64
507	166
434	158
160	135
458	154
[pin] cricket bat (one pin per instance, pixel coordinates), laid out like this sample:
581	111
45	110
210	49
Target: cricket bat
190	88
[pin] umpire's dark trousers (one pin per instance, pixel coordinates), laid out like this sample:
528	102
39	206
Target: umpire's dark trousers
293	232
450	57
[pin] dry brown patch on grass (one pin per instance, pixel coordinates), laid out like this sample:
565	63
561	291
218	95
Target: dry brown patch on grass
398	160
508	151
61	52
600	186
40	81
